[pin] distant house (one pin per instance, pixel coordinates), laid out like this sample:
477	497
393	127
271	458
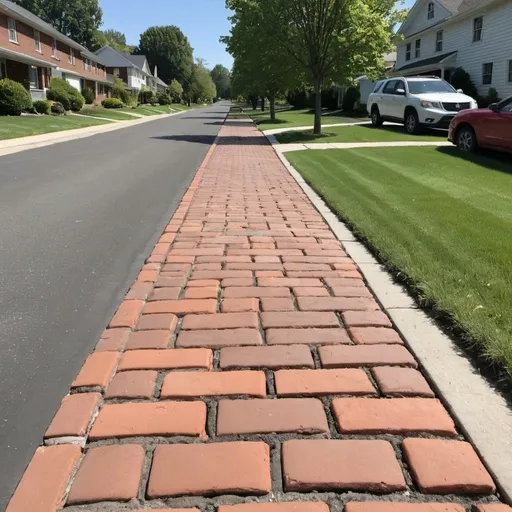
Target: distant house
366	85
440	36
32	51
133	70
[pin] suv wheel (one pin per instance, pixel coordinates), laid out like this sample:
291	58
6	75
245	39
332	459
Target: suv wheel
412	123
376	119
466	139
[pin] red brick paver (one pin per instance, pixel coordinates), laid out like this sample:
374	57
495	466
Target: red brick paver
251	359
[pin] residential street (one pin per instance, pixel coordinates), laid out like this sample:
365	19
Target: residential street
77	220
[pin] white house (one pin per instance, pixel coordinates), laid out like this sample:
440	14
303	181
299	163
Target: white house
440	36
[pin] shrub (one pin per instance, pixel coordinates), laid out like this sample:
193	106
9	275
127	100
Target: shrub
153	100
42	106
57	108
145	95
63	92
492	96
89	96
14	98
163	99
112	103
460	79
119	91
349	99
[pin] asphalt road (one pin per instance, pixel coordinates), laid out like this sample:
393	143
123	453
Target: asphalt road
77	220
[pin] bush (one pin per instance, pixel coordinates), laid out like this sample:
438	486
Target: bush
153	100
42	106
460	79
112	103
145	95
349	99
89	96
63	92
57	108
163	99
492	96
14	98
119	91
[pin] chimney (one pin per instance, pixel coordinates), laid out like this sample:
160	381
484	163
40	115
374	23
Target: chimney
155	72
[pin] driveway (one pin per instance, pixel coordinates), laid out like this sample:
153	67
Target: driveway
77	220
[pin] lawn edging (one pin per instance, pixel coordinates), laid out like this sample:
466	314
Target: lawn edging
10	146
482	413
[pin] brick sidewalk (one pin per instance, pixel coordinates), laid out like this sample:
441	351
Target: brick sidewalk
250	362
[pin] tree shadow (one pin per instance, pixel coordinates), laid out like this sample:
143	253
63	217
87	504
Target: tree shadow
493	160
204	117
210	139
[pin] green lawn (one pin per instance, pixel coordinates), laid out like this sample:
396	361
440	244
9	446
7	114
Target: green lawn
23	126
305	117
107	113
359	134
146	111
441	219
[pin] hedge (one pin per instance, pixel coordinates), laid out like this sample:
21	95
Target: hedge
112	103
63	92
14	98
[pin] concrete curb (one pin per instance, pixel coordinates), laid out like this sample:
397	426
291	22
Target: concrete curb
11	146
481	412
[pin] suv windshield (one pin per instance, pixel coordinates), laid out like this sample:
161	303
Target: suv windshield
422	86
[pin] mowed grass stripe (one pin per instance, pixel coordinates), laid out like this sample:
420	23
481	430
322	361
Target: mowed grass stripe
444	222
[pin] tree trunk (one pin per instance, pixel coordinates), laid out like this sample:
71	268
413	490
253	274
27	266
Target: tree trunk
272	103
317	130
263	103
254	102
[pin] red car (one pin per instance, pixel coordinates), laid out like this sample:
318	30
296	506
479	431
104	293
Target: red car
489	128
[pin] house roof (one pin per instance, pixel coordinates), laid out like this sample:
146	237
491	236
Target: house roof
113	59
17	11
451	5
159	81
138	60
426	62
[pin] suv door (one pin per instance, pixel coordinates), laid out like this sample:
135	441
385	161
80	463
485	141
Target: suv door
399	100
386	101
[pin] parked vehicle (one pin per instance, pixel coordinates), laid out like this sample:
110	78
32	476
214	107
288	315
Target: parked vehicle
489	128
417	102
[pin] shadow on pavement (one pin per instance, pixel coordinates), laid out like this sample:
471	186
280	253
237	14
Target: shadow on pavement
209	140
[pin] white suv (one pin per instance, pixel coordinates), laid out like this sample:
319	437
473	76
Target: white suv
416	102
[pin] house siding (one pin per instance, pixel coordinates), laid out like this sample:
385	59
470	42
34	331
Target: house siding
495	46
26	46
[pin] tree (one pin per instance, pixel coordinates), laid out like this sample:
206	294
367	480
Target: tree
175	91
262	70
330	40
117	40
202	87
77	19
169	49
221	78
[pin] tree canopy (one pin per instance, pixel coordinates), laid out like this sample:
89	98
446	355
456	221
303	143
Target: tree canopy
169	49
328	40
77	19
221	78
202	87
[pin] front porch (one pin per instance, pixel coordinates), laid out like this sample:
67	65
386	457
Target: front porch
33	73
441	65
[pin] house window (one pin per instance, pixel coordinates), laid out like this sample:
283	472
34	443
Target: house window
54	48
33	77
86	64
71	56
408	51
510	70
439	41
37	40
478	24
430	14
487	73
417	49
13	33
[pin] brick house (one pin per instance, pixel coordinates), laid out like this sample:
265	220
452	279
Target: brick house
32	51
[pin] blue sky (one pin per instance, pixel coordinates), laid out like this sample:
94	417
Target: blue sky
202	21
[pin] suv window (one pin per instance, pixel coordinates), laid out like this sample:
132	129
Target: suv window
400	84
378	86
389	88
422	86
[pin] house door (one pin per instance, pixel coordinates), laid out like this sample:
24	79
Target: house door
3	71
33	77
